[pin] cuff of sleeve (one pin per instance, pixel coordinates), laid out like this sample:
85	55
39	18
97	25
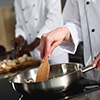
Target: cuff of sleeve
67	47
71	47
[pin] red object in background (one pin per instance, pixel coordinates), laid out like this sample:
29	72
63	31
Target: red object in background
2	49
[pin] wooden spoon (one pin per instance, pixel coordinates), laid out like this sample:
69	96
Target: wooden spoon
43	71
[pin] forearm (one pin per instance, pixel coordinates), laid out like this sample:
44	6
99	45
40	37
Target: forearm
21	39
67	34
35	43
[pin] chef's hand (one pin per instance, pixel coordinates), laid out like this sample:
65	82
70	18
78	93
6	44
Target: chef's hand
96	62
24	49
15	44
51	40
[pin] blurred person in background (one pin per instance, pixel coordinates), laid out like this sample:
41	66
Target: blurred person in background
33	19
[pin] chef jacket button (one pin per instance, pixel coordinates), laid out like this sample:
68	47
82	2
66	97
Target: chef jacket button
37	31
26	21
87	2
93	30
29	34
36	19
33	5
23	9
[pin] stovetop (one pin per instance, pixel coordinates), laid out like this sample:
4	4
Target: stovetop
80	88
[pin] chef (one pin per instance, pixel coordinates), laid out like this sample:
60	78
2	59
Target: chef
34	18
81	23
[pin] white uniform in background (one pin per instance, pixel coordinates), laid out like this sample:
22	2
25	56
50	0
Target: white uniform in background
82	18
36	17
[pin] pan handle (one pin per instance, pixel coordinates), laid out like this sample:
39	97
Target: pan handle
87	68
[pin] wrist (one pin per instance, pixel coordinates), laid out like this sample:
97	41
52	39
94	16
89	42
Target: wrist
67	35
32	46
35	43
21	39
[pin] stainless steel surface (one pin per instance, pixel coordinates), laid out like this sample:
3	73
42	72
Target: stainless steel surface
62	76
91	86
87	68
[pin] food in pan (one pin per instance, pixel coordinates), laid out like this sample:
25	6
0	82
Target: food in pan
30	81
11	65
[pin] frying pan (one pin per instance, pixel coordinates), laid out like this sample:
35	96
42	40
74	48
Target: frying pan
61	77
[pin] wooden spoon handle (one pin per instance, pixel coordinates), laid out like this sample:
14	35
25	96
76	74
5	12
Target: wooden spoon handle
43	71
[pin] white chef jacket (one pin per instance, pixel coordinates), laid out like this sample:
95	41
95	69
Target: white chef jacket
82	18
36	17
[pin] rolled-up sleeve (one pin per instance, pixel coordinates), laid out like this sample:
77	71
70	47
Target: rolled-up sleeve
72	22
